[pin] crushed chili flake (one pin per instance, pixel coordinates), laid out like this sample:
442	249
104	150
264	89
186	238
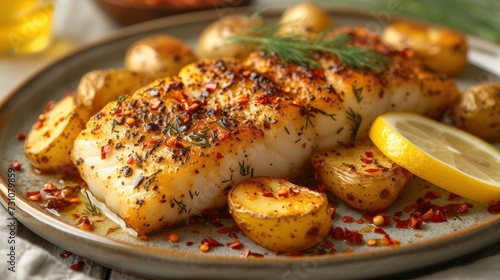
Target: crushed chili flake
78	266
20	136
236	244
189	243
65	254
249	254
224	230
56	204
211	242
350	236
369	154
432	195
16	165
372	170
173	238
219	155
110	230
85	223
453	196
366	160
347	219
318	166
106	151
494	208
34	196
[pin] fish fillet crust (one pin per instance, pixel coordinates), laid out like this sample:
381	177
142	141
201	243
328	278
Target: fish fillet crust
176	146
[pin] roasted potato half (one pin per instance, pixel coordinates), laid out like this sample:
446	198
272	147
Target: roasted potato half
213	41
305	18
159	56
279	215
361	175
99	87
442	50
49	142
478	111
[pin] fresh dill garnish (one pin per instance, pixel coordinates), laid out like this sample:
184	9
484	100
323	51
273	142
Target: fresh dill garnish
294	48
182	206
200	138
91	209
120	99
358	92
355	119
311	112
245	170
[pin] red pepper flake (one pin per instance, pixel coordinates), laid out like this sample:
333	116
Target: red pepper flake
78	266
65	254
331	210
84	223
20	136
16	165
402	223
106	151
372	170
173	238
219	155
304	145
189	243
236	244
432	195
494	208
224	230
249	254
263	99
56	204
211	241
34	196
190	106
195	231
438	217
223	135
415	222
242	99
369	154
366	160
318	166
453	196
268	194
317	73
210	86
350	236
110	230
347	219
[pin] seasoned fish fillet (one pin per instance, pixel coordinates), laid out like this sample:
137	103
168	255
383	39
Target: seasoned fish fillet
342	102
159	156
178	145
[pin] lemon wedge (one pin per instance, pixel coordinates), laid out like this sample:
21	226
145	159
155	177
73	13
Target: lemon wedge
443	155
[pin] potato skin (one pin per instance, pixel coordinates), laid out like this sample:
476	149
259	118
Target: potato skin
361	175
159	56
49	142
213	42
442	50
305	18
99	87
284	223
478	111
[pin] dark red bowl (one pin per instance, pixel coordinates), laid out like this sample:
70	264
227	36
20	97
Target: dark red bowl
127	12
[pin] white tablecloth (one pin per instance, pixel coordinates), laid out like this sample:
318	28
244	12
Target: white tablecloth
78	23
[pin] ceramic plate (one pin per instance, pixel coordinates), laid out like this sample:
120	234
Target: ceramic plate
156	257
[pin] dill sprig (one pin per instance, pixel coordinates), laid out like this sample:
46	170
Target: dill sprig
295	48
90	207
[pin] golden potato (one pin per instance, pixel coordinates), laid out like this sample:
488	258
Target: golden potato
213	42
49	142
279	215
305	18
442	50
361	175
99	87
159	56
478	111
